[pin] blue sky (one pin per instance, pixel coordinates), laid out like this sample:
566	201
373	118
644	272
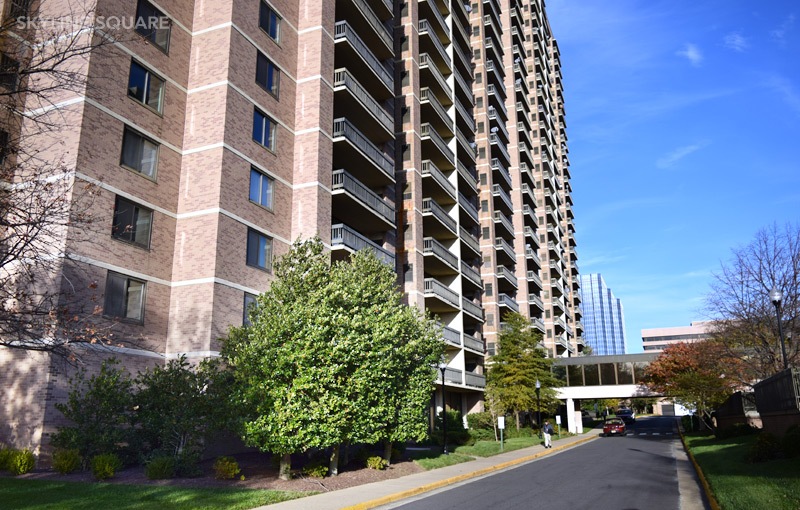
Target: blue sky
684	134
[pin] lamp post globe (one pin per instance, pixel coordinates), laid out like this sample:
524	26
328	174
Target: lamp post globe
776	296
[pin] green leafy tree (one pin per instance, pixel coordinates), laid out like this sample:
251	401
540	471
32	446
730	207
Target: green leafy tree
331	356
177	407
100	410
514	370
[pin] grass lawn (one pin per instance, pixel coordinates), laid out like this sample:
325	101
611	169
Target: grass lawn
739	485
44	495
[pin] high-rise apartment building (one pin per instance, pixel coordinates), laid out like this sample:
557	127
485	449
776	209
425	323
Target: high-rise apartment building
431	132
604	319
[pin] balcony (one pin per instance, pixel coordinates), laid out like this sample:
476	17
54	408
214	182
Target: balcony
465	117
538	324
508	302
494	71
453	375
528	211
435	147
472	309
366	22
466	90
498	167
468	207
358	149
508	275
431	172
356	204
447	299
469	148
473	344
527	194
359	105
381	72
504	248
557	288
464	60
501	147
444	262
468	175
427	65
430	44
501	219
505	198
533	276
435	19
535	300
530	254
474	380
430	209
433	110
451	336
345	238
469	241
471	274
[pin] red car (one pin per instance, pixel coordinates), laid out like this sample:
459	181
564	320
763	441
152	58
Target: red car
614	427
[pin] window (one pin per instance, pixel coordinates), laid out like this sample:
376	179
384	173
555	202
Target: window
153	25
9	72
132	223
261	187
124	297
259	250
19	9
263	129
270	22
250	301
139	153
267	74
145	87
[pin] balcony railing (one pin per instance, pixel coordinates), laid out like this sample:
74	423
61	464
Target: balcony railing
470	273
470	342
468	206
343	180
498	191
434	247
471	308
434	287
375	23
451	336
423	29
502	219
538	324
342	235
535	299
383	70
427	96
465	116
469	240
426	62
453	375
534	277
508	274
465	89
465	60
342	77
474	380
530	254
429	206
468	174
343	127
470	148
495	140
501	244
429	169
428	131
502	170
506	300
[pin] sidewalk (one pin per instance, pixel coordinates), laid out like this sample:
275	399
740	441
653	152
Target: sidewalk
372	495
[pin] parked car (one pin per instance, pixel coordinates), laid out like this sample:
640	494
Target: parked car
614	427
626	414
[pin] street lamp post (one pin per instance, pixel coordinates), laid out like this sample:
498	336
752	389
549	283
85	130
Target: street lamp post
443	368
538	407
776	296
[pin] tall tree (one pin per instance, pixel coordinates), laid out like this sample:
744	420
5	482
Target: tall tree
514	370
697	375
739	304
45	47
332	356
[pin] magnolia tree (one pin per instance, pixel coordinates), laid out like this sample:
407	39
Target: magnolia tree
745	319
332	356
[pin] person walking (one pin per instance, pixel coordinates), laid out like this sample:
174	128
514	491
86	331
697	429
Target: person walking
547	430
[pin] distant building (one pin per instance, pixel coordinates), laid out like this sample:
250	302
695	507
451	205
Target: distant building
603	318
657	339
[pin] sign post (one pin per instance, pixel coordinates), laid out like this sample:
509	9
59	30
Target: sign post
558	422
501	424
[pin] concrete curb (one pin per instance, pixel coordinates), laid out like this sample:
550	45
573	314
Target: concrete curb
391	498
712	502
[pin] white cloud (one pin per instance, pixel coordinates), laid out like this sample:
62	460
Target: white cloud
692	53
736	42
779	34
678	154
786	90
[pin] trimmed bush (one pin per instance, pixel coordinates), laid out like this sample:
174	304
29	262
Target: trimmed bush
21	462
481	421
160	468
376	462
736	430
105	465
790	443
5	455
66	461
226	468
766	447
315	470
481	435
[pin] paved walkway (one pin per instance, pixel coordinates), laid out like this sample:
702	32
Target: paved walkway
376	494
